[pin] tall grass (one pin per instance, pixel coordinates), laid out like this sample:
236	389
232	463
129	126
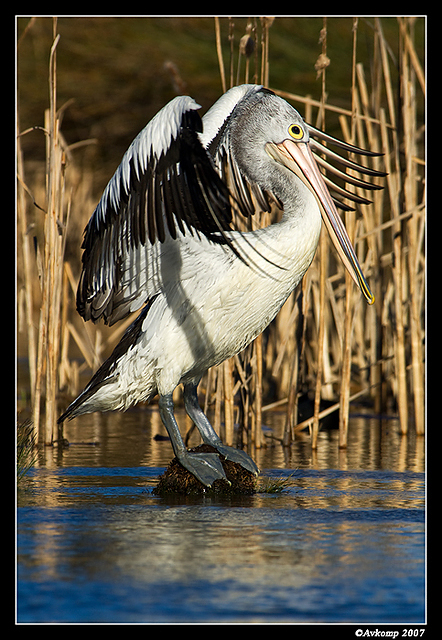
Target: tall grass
325	340
50	263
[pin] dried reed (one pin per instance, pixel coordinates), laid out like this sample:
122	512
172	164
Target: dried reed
324	339
320	66
54	239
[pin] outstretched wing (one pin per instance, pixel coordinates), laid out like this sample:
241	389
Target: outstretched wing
174	180
166	184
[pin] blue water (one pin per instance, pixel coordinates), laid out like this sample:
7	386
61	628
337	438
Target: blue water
112	552
339	545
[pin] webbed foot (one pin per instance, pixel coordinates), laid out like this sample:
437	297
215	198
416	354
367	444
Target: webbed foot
206	467
209	435
238	456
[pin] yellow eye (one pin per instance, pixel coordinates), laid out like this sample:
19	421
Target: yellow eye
296	131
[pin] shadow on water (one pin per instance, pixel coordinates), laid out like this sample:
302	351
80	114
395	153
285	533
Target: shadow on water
343	543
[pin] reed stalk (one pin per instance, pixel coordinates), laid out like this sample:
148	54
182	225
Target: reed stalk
258	392
220	54
373	218
56	222
349	298
409	65
320	66
228	402
46	348
44	364
27	269
266	23
232	50
393	182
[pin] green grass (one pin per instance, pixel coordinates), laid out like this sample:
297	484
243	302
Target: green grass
275	485
26	451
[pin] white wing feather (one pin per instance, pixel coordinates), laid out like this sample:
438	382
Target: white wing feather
166	185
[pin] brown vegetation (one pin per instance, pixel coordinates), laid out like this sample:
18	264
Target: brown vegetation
326	340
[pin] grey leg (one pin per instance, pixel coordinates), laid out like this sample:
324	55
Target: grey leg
206	467
208	433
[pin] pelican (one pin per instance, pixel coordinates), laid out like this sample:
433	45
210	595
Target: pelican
161	240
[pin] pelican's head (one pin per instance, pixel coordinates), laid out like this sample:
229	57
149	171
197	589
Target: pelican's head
269	130
295	154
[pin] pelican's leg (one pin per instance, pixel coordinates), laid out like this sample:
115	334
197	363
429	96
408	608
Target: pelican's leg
208	433
206	467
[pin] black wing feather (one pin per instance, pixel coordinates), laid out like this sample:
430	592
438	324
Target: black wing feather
180	189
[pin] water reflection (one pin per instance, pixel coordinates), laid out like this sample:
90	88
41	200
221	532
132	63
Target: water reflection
344	543
212	562
128	440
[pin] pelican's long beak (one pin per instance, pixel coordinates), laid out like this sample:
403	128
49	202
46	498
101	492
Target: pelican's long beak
298	157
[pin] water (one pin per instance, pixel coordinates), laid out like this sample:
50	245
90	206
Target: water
345	543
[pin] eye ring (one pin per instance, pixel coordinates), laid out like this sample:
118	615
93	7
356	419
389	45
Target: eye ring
296	131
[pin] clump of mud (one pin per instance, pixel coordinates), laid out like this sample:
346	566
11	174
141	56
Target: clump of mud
178	480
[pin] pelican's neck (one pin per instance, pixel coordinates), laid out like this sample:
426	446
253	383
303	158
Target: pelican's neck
297	233
300	224
280	254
